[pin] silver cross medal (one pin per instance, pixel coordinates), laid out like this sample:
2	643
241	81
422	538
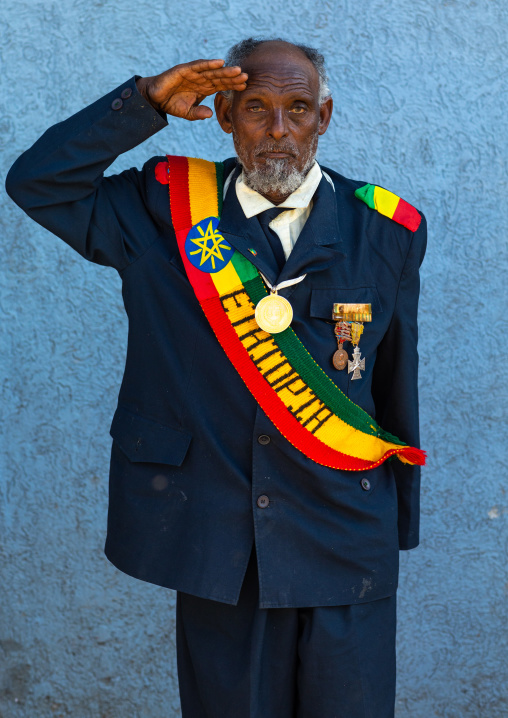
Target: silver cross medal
357	364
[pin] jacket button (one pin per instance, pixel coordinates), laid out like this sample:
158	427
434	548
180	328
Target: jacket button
365	484
264	439
116	104
263	501
126	93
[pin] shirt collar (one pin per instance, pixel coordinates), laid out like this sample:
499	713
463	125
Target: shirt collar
253	203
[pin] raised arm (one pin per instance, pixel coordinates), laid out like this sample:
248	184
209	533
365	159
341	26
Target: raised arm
59	181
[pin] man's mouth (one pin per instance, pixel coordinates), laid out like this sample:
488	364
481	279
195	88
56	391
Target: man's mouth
275	155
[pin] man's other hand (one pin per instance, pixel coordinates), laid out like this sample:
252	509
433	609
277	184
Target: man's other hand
180	90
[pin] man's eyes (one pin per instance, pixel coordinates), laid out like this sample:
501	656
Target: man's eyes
296	109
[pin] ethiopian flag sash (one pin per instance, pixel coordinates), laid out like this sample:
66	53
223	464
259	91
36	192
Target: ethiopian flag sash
293	391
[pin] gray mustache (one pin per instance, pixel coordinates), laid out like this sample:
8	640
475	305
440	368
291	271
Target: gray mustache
285	147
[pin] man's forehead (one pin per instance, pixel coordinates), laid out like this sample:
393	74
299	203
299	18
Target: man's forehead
278	65
278	83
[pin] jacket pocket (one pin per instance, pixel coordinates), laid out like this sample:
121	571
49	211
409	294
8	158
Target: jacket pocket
145	440
321	312
323	299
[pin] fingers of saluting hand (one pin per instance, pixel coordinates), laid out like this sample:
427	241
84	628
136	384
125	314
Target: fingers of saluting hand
225	80
212	76
204	65
180	90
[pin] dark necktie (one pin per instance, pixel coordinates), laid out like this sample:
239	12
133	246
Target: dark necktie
273	238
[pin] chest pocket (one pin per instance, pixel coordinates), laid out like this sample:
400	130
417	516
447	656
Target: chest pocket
144	440
321	308
322	300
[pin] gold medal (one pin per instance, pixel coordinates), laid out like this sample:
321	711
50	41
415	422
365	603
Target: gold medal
274	313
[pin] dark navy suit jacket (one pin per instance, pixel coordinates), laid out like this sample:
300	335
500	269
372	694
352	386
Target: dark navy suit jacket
186	465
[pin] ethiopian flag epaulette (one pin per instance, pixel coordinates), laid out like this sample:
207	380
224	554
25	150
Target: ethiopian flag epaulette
390	205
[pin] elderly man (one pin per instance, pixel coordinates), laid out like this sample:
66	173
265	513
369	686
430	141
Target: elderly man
263	460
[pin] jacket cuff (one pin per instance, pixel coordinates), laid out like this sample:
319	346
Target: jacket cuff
132	114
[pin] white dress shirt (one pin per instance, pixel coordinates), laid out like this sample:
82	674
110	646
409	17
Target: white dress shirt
289	224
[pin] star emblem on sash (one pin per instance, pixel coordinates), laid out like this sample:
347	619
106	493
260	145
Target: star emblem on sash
217	240
206	248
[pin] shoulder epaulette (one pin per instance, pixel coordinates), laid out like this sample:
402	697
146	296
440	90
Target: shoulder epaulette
390	205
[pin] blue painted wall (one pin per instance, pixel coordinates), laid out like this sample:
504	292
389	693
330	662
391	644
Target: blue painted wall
420	107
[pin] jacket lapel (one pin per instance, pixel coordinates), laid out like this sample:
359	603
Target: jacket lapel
319	245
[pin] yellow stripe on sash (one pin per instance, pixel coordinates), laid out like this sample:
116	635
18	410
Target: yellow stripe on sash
227	280
202	190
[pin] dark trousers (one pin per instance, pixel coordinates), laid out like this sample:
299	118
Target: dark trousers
245	662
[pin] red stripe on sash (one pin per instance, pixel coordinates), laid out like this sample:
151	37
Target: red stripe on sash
179	192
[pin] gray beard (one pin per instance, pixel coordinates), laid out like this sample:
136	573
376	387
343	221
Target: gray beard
277	175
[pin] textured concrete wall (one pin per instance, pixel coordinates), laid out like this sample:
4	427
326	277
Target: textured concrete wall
421	109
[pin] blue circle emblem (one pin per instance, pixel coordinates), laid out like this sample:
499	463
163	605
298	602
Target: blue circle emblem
206	248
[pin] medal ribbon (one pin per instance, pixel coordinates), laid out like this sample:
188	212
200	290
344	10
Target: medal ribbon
287	283
298	397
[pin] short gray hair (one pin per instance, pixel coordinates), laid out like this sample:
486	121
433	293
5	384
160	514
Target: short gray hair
242	50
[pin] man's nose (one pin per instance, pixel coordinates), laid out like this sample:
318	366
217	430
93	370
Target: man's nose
278	126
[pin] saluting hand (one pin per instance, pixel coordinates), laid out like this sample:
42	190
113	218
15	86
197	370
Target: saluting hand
180	90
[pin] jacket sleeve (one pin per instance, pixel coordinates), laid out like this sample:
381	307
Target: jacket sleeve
59	181
395	386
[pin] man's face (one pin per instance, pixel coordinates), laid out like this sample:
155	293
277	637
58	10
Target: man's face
276	121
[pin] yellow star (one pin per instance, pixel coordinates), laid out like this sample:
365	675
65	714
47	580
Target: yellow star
213	251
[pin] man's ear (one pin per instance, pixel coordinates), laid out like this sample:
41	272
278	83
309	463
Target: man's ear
325	115
223	112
